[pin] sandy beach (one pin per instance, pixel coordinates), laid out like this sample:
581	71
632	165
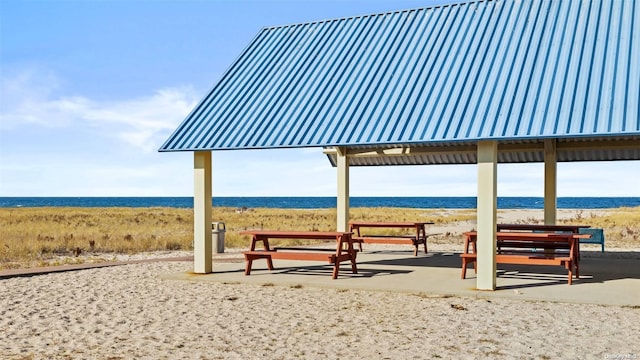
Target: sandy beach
128	312
131	312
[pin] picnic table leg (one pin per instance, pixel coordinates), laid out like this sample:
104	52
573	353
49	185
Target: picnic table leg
465	265
335	259
465	261
265	244
421	229
344	241
465	251
464	269
352	256
576	265
357	229
416	241
469	241
569	266
248	259
573	262
336	267
475	251
248	265
575	249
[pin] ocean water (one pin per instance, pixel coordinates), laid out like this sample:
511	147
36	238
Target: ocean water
319	202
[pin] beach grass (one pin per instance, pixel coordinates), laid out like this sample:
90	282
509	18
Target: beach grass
53	235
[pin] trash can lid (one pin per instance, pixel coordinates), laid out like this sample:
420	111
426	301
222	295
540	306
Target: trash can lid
217	225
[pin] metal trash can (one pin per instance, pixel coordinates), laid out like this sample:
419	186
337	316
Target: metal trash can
217	236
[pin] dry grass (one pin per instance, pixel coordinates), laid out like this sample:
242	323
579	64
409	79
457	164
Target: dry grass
36	236
41	234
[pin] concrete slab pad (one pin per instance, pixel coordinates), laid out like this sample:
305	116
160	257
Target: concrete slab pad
606	280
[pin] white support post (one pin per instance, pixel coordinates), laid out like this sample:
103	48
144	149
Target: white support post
342	205
550	182
487	214
202	212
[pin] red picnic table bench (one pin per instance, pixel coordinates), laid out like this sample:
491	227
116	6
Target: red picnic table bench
344	250
528	248
418	237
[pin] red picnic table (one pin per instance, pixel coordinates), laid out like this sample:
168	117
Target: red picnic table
344	250
528	248
418	237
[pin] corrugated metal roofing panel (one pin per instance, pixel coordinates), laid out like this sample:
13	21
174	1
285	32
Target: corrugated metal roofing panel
495	69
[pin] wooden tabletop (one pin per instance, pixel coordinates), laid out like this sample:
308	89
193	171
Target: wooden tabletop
536	235
388	224
296	234
542	227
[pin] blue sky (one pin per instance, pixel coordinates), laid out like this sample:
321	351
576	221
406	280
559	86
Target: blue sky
89	90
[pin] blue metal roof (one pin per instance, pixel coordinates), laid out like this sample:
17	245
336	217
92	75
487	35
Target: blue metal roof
502	69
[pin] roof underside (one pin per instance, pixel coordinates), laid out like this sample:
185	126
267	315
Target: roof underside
567	150
515	71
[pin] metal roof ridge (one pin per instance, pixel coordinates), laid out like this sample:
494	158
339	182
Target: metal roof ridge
458	3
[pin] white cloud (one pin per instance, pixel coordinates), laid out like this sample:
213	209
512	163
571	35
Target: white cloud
26	84
27	97
143	123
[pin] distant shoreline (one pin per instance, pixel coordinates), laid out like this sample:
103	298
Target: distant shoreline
326	202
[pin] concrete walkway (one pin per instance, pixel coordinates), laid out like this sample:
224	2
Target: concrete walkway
606	280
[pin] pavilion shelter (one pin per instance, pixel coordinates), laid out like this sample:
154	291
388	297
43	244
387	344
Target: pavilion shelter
479	82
